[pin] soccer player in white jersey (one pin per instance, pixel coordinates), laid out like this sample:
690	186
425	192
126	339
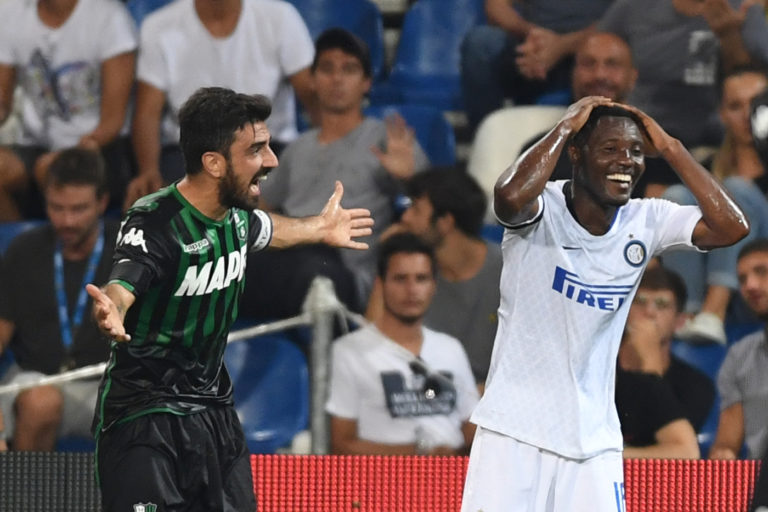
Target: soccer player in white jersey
548	436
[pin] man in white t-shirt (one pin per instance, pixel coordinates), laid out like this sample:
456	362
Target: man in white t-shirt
548	436
397	387
253	46
74	62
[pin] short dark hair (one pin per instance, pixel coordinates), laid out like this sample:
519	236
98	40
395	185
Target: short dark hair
211	117
403	243
453	191
579	140
344	40
757	245
724	75
78	166
660	278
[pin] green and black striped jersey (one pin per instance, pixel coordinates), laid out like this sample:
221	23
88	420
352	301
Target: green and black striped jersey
187	272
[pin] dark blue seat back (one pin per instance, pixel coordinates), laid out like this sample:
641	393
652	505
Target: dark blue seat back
8	230
139	9
427	63
271	382
361	17
433	131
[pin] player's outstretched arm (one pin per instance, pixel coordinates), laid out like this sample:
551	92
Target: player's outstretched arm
109	307
335	226
517	189
722	223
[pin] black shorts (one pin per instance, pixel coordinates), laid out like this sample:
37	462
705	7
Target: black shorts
198	462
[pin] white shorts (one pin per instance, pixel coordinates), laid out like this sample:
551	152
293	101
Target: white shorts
79	402
505	475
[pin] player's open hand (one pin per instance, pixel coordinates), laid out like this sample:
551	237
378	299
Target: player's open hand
341	226
577	114
106	315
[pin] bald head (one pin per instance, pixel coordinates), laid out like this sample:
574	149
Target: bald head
603	67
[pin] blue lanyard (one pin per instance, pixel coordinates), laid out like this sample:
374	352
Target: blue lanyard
67	324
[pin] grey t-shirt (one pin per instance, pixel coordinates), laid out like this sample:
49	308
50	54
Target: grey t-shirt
308	169
562	16
467	311
743	379
677	58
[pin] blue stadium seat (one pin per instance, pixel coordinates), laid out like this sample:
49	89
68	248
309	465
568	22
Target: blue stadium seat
706	358
8	230
426	69
139	9
271	381
432	129
361	17
76	444
493	232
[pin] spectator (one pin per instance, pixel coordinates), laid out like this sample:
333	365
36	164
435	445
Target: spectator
372	158
655	314
711	277
398	387
743	382
73	60
447	209
523	52
253	46
43	304
679	46
653	422
602	67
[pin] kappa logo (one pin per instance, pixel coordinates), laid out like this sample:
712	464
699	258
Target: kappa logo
134	237
197	247
145	507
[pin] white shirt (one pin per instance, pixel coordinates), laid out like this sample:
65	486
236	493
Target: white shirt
565	295
269	44
372	383
59	69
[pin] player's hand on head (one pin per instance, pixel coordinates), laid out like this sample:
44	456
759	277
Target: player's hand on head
106	315
341	227
657	141
578	113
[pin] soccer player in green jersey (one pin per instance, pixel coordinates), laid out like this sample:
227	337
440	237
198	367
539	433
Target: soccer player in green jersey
166	430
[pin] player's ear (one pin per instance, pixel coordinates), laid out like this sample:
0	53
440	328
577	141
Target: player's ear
214	164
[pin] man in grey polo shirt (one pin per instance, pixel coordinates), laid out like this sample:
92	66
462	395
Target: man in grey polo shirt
743	380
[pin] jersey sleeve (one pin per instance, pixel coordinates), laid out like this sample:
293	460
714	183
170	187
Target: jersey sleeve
343	399
144	254
675	224
260	234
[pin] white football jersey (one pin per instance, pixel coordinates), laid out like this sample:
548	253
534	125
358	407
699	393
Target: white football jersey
565	295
